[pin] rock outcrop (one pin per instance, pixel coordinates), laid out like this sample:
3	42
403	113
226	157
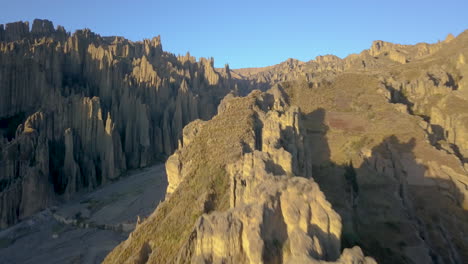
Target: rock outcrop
386	135
273	219
367	153
437	93
273	215
93	107
401	199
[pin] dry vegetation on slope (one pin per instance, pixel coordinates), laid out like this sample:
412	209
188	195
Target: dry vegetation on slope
250	206
204	188
379	137
410	199
84	108
400	194
378	132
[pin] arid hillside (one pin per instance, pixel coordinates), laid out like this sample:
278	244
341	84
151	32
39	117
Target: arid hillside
355	160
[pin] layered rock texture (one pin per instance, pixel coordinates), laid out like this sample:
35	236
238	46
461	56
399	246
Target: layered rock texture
77	110
355	160
379	134
255	208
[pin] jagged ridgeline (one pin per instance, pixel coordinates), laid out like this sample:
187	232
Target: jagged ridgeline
240	192
378	138
337	159
77	110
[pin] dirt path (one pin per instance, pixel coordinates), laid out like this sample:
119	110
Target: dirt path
85	229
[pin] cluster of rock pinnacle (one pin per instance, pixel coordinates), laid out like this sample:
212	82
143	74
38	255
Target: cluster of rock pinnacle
355	160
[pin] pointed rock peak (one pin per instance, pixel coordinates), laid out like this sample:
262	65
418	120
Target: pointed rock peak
293	62
227	71
327	58
109	124
449	38
16	30
42	26
143	62
153	44
85	34
378	43
118	39
207	61
61	29
279	94
19	24
184	86
156	41
186	58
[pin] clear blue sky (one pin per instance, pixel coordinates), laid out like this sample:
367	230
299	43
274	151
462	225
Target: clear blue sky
253	33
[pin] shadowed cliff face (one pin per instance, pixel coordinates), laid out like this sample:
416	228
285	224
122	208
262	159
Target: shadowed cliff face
239	197
379	139
427	80
401	199
391	206
400	196
77	110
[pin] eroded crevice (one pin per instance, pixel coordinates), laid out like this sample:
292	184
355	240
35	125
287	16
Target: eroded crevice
437	134
9	125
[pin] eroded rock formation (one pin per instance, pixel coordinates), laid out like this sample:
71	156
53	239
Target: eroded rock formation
273	215
88	108
437	92
366	153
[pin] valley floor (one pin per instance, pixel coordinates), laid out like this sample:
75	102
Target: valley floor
85	229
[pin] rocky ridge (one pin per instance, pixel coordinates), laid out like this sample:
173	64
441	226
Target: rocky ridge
366	153
273	215
393	173
79	109
381	55
427	78
435	89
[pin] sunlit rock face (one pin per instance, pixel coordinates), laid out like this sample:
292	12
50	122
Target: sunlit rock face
275	212
340	159
84	108
385	141
274	219
274	216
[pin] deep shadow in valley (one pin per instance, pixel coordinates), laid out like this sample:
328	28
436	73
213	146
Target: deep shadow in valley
388	206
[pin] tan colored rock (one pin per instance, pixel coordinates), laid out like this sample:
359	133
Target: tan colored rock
173	172
274	218
461	60
124	102
210	74
273	215
276	224
449	38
